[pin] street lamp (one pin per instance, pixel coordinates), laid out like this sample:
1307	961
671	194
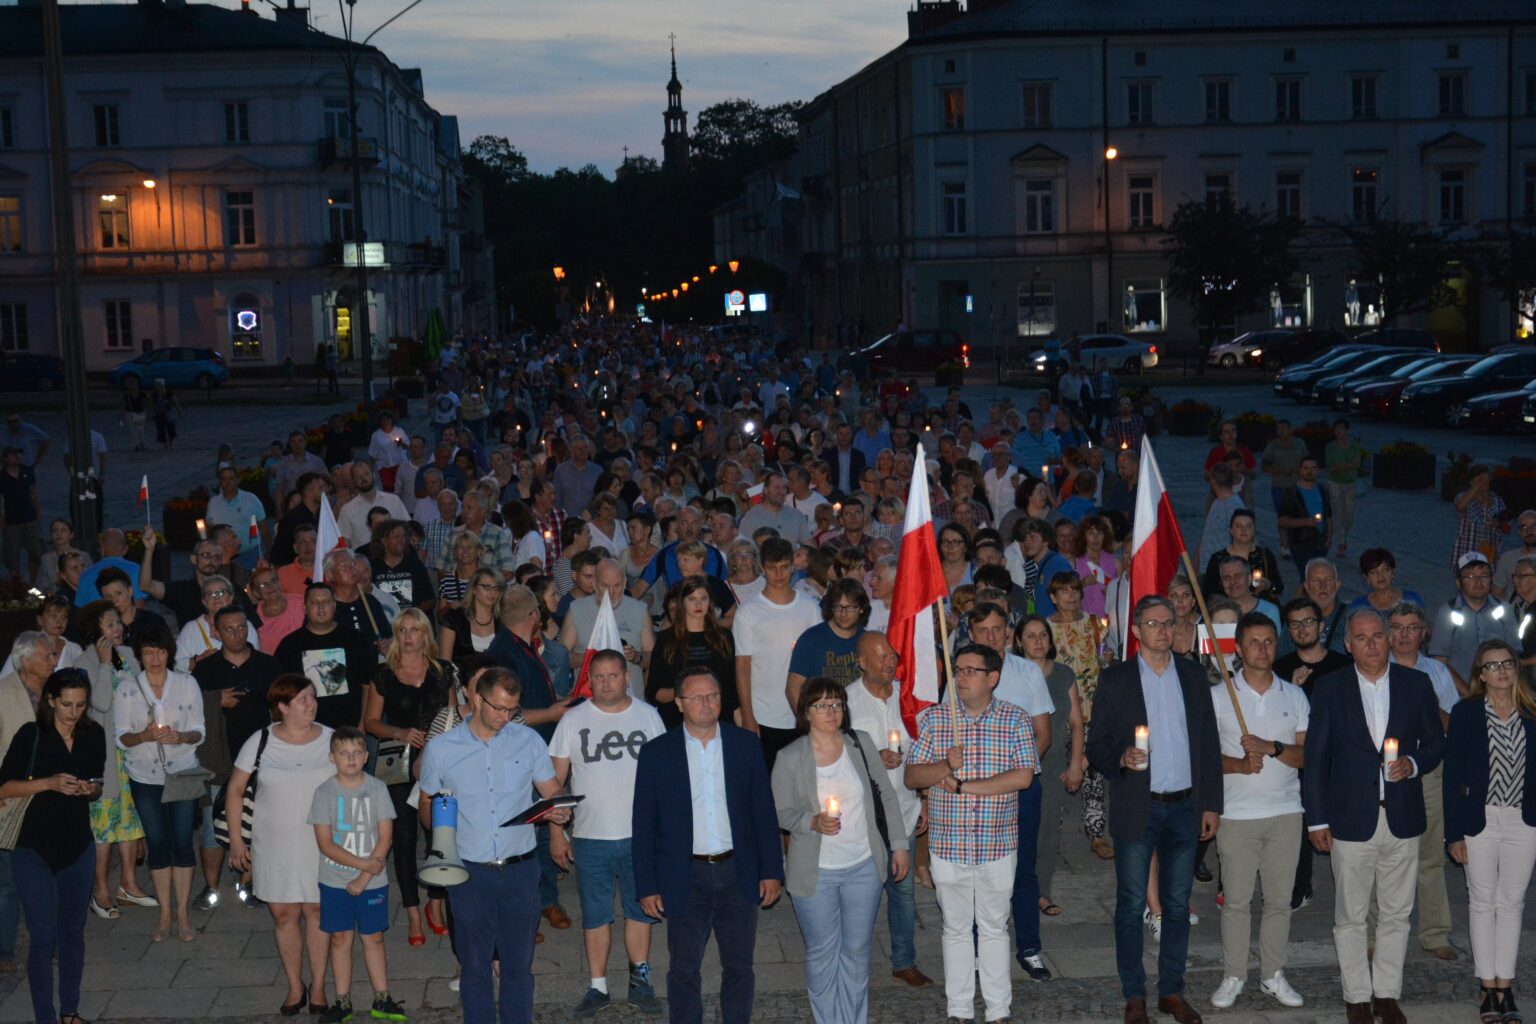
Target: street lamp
1110	155
733	264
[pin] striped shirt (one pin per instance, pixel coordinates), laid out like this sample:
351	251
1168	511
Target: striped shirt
1506	760
962	827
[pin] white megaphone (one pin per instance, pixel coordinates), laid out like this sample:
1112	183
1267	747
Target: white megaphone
442	866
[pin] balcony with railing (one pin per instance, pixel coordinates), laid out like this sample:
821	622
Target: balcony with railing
340	150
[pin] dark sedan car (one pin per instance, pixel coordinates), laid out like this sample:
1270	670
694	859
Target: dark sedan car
1296	382
1499	411
1399	337
920	351
1379	397
1441	399
1326	390
24	371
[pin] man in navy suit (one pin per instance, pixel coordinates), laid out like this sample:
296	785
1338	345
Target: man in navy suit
845	463
706	847
1374	734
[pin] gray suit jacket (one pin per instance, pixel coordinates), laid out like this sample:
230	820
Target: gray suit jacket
795	797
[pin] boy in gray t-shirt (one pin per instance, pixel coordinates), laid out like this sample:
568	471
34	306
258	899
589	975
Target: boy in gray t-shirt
353	818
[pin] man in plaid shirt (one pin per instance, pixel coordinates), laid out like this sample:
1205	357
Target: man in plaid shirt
495	541
551	521
973	760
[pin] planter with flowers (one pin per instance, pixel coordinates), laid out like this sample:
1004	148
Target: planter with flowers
1254	430
18	610
1316	434
1403	466
1189	418
181	516
949	375
161	565
1456	475
1515	482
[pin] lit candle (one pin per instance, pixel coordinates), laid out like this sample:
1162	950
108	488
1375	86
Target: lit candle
1389	749
202	530
1318	517
896	740
1258	575
833	807
1141	743
1124	445
837	506
1045	472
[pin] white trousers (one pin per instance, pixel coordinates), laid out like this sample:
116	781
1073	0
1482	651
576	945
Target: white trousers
979	895
1499	861
1391	866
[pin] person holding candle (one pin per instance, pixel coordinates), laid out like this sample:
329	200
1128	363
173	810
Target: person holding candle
1261	810
1374	731
973	754
874	708
1264	568
1304	514
837	804
1164	796
1490	815
1237	583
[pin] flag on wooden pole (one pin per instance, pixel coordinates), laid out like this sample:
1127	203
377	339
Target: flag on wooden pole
605	637
917	598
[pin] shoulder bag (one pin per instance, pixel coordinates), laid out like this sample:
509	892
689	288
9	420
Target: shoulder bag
874	787
247	802
187	784
15	810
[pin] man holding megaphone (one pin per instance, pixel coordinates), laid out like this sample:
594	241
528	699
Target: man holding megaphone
492	767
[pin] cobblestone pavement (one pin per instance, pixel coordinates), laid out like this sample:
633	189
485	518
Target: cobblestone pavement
230	973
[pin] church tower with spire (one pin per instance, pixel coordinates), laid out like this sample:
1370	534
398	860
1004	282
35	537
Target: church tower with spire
674	140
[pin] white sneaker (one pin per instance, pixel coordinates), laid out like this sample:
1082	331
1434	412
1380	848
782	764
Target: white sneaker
1281	990
1155	923
1227	992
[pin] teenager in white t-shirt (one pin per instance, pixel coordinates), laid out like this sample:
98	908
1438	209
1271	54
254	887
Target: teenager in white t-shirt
765	630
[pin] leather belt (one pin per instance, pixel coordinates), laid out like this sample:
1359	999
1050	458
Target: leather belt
715	858
504	861
1174	797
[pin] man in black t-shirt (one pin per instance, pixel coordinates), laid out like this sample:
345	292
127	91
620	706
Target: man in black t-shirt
340	663
397	570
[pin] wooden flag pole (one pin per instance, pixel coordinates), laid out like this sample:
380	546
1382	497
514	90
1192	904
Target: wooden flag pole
949	668
1210	629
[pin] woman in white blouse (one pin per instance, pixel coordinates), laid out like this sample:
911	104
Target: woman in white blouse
159	724
200	637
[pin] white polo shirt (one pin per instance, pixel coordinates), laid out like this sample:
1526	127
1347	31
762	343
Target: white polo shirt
1023	685
1279	714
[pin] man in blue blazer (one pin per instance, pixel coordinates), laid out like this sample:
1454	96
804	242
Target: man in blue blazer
706	848
1374	733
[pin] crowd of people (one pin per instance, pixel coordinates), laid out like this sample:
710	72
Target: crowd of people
251	726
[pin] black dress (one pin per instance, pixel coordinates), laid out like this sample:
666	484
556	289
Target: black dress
57	827
670	658
410	707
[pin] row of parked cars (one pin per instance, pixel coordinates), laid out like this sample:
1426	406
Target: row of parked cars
1419	384
180	366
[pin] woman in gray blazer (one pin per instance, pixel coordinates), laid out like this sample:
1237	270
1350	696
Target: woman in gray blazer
835	801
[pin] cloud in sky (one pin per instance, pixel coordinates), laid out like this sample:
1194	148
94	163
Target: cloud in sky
575	81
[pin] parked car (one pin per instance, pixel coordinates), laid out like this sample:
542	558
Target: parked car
1296	381
1274	349
24	371
1441	399
1114	350
1378	397
1500	410
919	351
1398	337
179	366
1326	390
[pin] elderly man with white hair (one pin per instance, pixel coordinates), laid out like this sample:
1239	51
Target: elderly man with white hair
1525	525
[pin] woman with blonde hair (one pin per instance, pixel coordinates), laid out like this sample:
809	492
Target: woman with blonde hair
470	628
408	691
453	585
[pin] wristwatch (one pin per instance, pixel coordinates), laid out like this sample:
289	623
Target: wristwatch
1279	748
959	785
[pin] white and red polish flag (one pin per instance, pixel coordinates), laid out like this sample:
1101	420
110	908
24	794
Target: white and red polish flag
605	637
916	600
144	491
327	539
1156	544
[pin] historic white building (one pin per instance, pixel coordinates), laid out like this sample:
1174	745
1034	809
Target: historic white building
960	180
212	187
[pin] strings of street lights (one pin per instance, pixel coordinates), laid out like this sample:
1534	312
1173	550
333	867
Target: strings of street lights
657	296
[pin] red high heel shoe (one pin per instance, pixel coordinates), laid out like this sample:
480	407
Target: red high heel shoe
416	940
437	929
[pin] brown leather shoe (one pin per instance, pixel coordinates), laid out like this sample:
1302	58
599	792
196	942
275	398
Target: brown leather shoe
912	976
1388	1011
1178	1009
1358	1013
1442	953
1135	1009
1102	849
557	917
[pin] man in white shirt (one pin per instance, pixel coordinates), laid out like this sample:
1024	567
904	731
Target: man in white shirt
405	473
1022	684
1407	629
352	520
1001	481
1261	815
874	708
801	497
765	630
597	746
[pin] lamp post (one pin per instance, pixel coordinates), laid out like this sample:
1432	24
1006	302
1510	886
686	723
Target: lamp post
1110	155
83	482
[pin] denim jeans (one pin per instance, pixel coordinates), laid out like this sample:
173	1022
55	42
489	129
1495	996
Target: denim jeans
10	908
1026	884
1173	833
167	827
549	871
495	916
901	917
715	904
837	923
55	907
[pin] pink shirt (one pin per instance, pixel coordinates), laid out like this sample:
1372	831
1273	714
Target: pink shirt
272	630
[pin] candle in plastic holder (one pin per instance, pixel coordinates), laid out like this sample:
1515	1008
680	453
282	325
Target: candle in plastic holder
834	809
1142	738
896	741
202	529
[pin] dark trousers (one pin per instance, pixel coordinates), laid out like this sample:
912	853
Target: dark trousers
1173	833
1303	886
549	871
407	825
775	740
1026	882
715	904
496	912
54	905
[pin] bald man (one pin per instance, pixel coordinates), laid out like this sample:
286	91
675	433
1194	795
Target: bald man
874	708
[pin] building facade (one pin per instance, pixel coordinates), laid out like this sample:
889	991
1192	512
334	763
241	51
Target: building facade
211	173
961	180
